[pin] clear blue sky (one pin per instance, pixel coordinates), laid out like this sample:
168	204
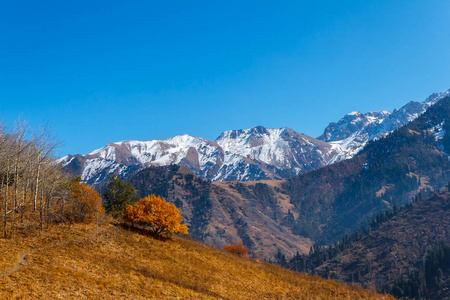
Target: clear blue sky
105	71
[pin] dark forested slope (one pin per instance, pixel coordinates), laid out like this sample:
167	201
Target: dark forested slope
406	252
341	197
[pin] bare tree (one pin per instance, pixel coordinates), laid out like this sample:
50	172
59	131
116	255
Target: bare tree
45	145
20	148
28	174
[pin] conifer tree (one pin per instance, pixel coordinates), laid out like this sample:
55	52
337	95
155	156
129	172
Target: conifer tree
118	194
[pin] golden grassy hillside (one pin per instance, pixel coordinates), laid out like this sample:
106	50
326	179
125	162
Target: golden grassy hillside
109	262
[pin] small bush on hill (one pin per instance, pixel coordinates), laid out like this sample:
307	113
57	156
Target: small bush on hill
85	203
237	249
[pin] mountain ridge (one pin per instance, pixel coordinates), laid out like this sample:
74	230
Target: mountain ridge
247	154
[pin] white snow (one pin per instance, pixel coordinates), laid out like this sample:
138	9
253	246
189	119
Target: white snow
64	161
267	147
438	131
96	165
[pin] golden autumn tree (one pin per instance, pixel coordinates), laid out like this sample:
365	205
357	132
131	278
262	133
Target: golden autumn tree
236	248
154	212
85	202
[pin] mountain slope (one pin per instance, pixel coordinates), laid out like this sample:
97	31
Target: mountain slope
218	213
125	157
341	197
289	153
108	262
395	250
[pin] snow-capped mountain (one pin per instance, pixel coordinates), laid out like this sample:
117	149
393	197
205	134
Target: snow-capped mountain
121	158
250	154
351	123
259	153
351	133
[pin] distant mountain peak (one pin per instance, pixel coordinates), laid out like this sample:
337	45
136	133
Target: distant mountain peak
354	113
257	130
352	132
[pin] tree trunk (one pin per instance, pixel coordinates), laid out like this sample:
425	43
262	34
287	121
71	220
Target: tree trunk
37	185
41	212
6	200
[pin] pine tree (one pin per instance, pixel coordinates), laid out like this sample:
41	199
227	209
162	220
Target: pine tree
118	194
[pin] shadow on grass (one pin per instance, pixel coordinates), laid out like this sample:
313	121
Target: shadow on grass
142	230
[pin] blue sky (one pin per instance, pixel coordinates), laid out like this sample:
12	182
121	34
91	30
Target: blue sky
115	70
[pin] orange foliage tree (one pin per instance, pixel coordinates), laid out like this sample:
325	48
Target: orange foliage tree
236	248
154	212
85	203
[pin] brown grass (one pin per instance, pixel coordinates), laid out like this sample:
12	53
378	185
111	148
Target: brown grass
78	263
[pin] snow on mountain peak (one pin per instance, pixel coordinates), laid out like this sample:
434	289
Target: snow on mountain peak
435	97
264	144
350	134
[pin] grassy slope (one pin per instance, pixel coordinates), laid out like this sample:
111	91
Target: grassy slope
116	263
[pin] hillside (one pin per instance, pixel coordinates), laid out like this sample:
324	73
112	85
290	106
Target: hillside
108	262
393	253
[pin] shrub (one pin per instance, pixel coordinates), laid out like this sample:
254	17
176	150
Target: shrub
85	203
237	249
156	214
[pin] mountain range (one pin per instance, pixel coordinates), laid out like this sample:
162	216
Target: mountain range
314	208
247	155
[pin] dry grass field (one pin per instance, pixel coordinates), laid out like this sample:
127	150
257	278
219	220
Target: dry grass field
109	262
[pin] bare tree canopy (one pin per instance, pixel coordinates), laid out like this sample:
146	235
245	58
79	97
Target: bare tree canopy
33	189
